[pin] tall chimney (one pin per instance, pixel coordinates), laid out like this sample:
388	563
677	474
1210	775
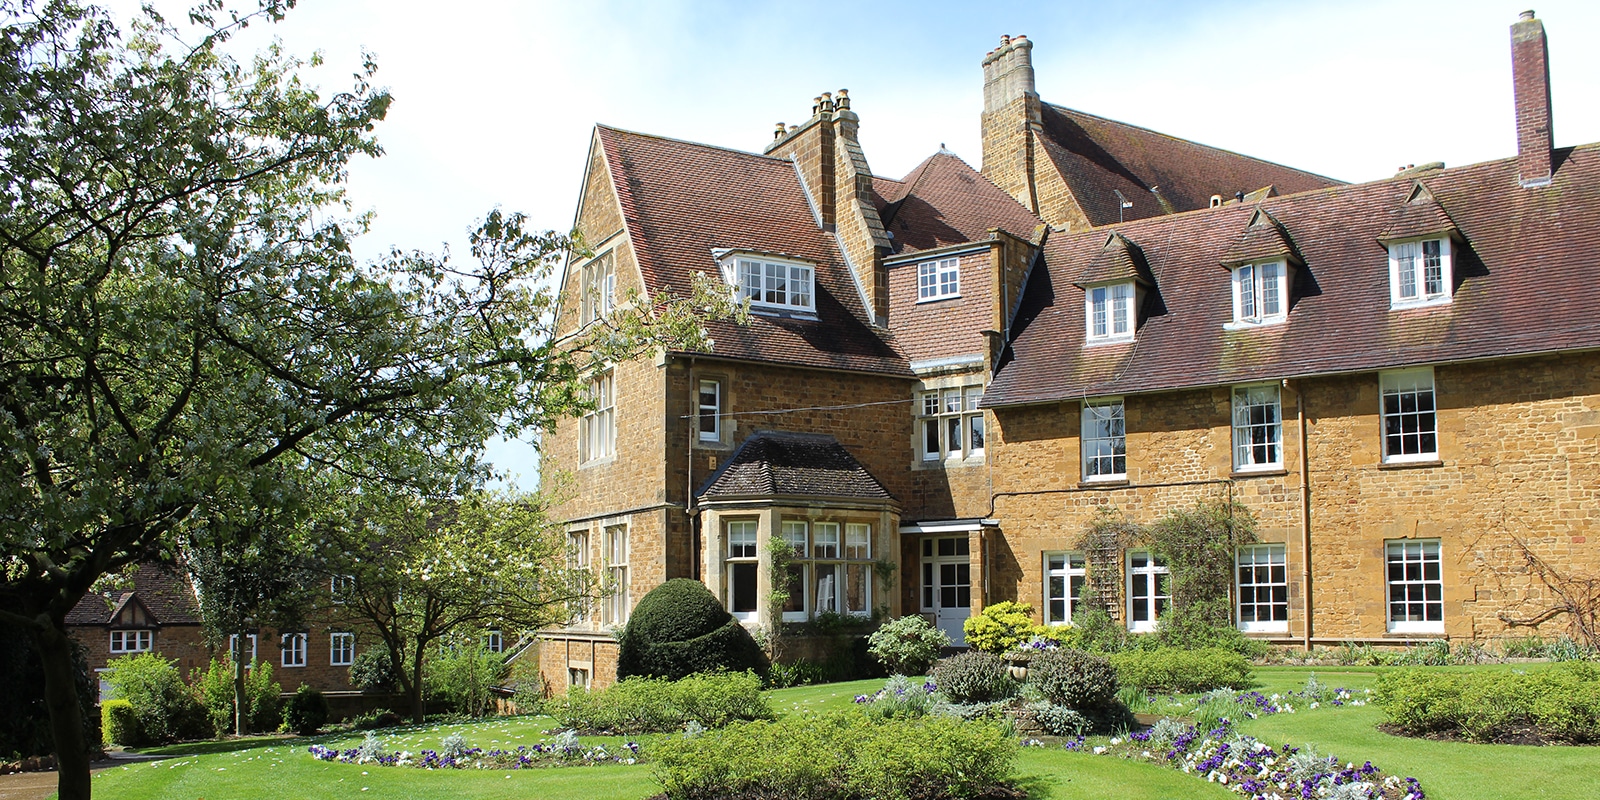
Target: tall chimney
1530	74
1011	118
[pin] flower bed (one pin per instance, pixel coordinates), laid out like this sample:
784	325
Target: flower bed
1254	769
563	751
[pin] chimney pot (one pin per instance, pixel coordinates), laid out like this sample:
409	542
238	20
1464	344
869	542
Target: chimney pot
1526	14
842	101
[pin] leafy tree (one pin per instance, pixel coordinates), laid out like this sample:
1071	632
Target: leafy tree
252	568
181	318
426	570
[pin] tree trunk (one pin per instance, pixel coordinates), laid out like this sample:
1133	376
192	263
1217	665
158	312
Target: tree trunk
241	725
418	713
66	715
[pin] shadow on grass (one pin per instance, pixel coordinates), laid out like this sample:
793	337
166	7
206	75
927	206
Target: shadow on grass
215	746
1037	787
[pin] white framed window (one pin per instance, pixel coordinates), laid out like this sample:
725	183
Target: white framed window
831	570
1263	588
599	290
946	573
1410	421
1108	312
494	641
937	280
1260	293
743	564
797	534
1420	273
578	561
1149	590
340	587
233	647
709	399
615	610
140	641
1416	587
1104	442
1064	577
951	426
293	648
1257	427
776	284
341	649
599	424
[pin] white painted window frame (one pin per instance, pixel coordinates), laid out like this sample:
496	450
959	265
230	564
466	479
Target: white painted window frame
341	643
1250	558
1110	312
709	412
1107	416
939	279
143	641
1257	286
292	649
1153	572
599	287
746	551
1067	567
614	542
764	280
233	647
1421	553
1409	268
952	412
1244	448
1396	386
598	428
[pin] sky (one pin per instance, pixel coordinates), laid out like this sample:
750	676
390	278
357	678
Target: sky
495	100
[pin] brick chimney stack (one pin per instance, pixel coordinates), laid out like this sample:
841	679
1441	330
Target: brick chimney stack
1012	116
831	164
1530	75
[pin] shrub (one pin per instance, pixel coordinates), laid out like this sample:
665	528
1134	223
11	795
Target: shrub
120	723
165	708
1074	678
261	694
527	684
1557	704
908	645
1002	626
373	669
377	718
680	628
1170	669
465	677
900	698
973	677
799	673
813	757
656	705
1058	720
213	687
306	711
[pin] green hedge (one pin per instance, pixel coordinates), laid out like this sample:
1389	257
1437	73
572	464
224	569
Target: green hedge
1557	704
1170	669
120	723
680	628
656	705
842	755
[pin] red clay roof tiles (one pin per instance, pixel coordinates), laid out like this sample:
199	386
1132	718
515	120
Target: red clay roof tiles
1524	279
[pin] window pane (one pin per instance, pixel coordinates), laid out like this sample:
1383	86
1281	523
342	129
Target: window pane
1121	309
857	588
825	540
1271	290
1097	303
858	541
743	576
1245	279
1432	268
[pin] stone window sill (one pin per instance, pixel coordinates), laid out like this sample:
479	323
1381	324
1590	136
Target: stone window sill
1259	473
1410	464
1116	484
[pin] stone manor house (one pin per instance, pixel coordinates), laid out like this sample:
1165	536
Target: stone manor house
948	376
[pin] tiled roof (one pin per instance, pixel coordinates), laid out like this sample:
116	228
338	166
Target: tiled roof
1099	157
683	200
1261	238
1524	278
1117	260
164	592
944	201
1420	215
781	463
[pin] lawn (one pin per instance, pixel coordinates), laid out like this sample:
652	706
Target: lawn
271	766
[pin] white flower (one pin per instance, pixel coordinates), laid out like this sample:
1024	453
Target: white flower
1099	751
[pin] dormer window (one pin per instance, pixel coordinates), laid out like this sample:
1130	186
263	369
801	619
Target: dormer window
937	280
1419	273
1108	312
776	284
1260	293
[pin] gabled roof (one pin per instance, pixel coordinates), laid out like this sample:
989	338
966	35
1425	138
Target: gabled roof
1524	283
1261	238
681	201
164	592
786	464
1098	157
1117	260
944	201
1419	215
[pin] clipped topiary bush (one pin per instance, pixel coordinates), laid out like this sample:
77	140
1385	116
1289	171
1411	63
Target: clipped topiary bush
680	628
908	645
120	723
1074	678
306	711
973	677
1003	626
1171	670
